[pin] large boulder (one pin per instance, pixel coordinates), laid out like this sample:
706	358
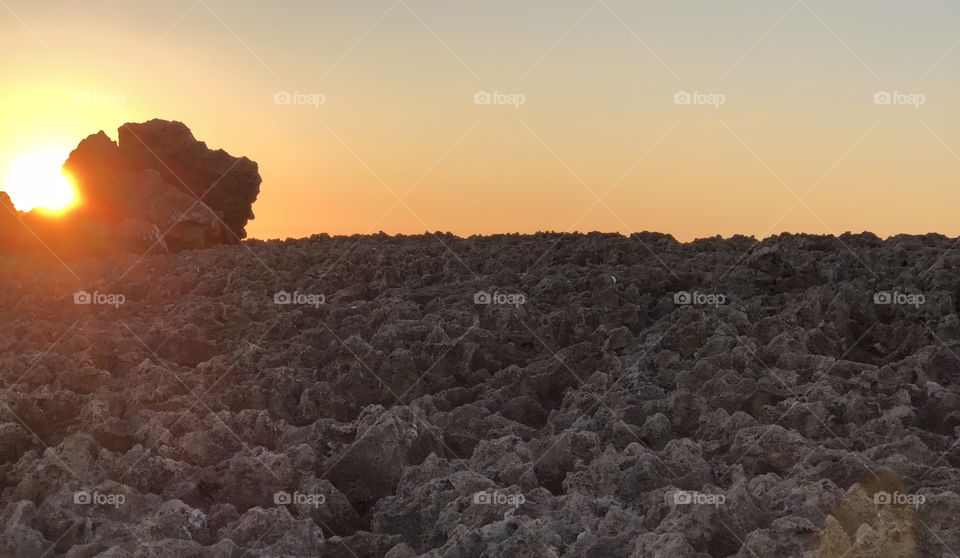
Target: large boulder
155	190
227	184
116	192
158	189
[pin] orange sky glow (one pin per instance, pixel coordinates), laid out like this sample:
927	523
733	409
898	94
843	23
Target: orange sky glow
693	118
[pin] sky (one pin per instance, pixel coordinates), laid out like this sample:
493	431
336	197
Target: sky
691	117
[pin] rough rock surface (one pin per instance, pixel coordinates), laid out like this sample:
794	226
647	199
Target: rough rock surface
114	188
227	184
397	396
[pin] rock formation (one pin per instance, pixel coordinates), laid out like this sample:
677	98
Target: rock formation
158	189
226	184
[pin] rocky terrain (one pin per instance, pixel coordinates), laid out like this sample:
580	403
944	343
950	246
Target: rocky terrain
508	396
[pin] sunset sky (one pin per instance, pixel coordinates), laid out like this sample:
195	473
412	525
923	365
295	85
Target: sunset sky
596	140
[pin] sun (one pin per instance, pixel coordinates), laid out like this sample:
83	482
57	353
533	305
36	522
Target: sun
36	181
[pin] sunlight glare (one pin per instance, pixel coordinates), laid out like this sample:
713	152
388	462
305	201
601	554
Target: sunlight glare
35	181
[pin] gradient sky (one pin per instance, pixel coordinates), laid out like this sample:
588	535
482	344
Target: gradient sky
599	120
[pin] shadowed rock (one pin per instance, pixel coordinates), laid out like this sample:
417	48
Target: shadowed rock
227	184
115	190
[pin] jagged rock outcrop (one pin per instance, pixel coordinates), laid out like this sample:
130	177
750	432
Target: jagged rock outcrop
113	188
228	185
158	189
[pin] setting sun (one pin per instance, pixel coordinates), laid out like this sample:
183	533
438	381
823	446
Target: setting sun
35	180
